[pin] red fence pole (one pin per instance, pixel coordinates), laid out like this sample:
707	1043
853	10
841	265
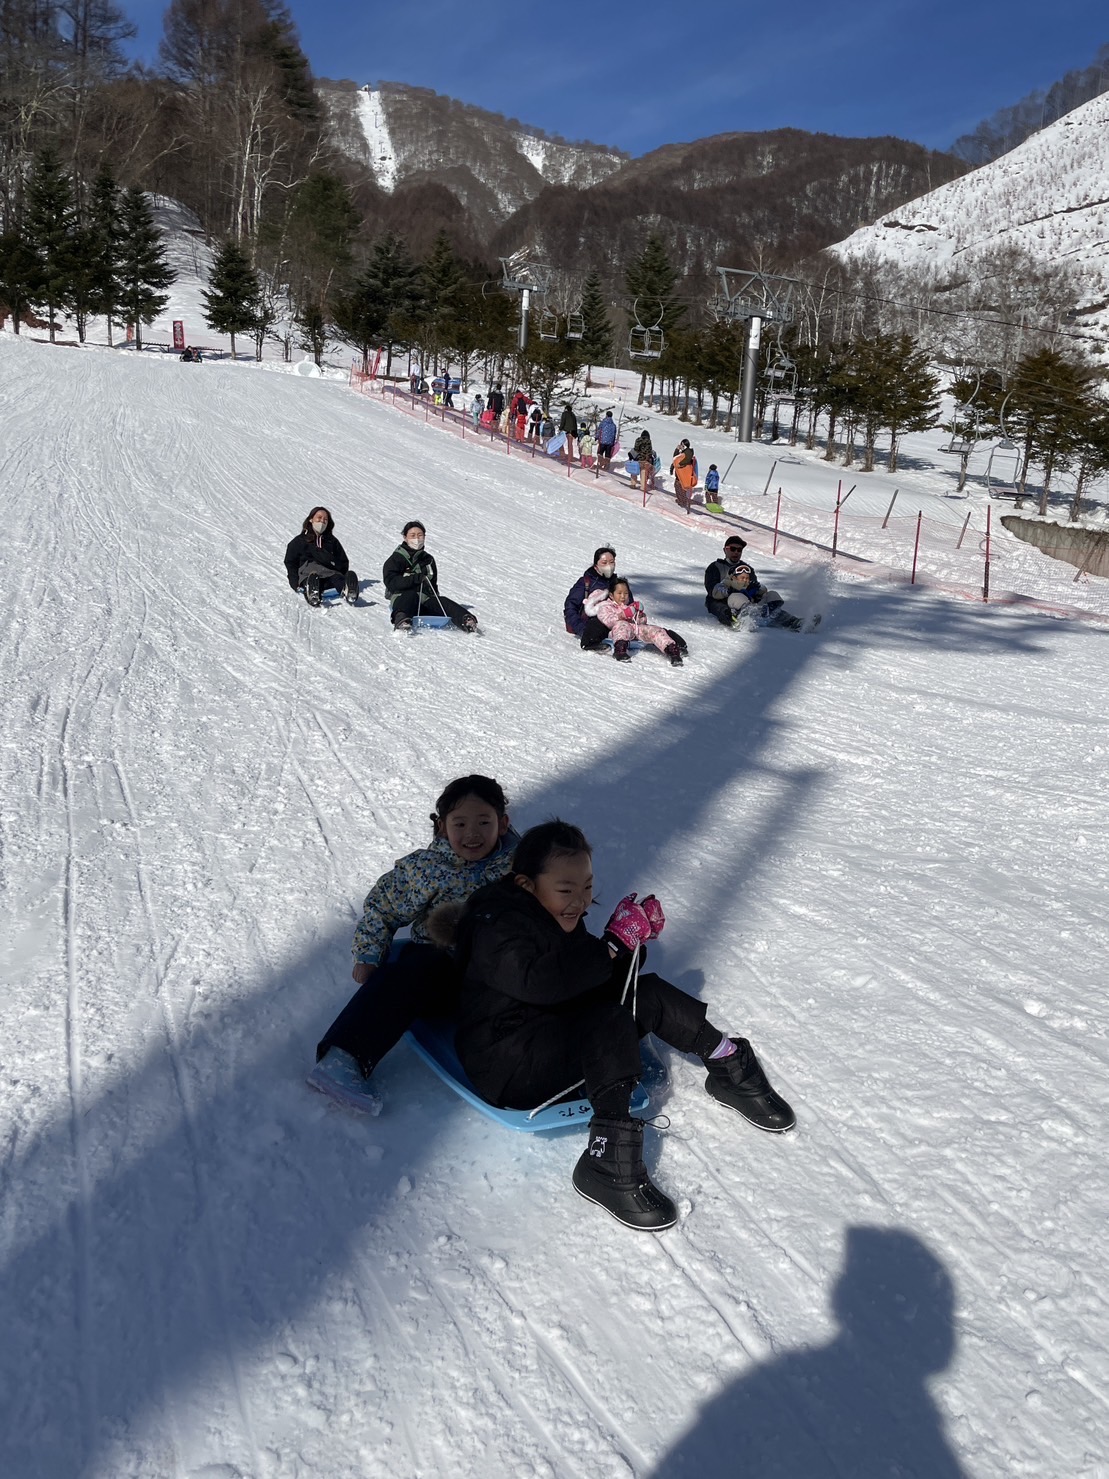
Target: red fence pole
916	547
986	571
777	517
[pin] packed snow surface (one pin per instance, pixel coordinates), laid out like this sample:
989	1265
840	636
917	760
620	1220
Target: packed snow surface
882	849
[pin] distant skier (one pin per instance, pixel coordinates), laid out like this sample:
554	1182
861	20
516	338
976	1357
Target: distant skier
412	584
315	561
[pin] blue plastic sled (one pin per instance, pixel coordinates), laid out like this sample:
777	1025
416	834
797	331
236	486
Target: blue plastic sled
434	1042
432	623
556	444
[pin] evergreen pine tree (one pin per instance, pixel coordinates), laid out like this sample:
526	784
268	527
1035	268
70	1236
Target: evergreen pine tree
18	275
382	302
232	300
443	282
103	242
143	269
49	231
651	283
596	340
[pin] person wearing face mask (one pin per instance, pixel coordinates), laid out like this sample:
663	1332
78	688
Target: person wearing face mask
412	584
315	561
590	632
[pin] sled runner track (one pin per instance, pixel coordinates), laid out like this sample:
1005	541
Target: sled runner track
486	1357
213	1259
81	1217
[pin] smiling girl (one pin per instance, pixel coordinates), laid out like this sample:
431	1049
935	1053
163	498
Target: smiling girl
472	845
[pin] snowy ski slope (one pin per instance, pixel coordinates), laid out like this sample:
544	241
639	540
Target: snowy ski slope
882	850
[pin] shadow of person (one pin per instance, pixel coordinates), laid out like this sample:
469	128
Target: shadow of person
858	1408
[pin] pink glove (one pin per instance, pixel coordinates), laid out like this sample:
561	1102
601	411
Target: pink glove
655	917
628	924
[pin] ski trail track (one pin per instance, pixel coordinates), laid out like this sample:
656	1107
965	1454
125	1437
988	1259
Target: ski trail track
219	773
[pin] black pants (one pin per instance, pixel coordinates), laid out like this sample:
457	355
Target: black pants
594	1038
409	603
330	580
720	609
421	982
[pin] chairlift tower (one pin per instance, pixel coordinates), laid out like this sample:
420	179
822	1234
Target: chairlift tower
757	298
519	274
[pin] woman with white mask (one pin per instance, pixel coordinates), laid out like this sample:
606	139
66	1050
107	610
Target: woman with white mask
315	561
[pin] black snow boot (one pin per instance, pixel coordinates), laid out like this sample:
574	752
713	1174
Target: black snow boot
620	652
673	652
350	587
740	1083
612	1174
312	590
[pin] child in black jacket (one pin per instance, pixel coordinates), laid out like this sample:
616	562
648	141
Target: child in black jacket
547	1007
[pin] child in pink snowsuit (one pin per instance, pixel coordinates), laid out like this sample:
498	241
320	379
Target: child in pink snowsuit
627	621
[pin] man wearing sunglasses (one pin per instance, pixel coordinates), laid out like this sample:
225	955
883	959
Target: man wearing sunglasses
718	571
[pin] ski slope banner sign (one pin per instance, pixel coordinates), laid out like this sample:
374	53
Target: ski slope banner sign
178	334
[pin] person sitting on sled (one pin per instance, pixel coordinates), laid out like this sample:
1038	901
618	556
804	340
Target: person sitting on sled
718	572
627	622
315	561
590	632
546	1007
750	602
472	845
412	584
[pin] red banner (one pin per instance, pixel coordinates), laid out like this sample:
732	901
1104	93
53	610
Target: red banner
178	334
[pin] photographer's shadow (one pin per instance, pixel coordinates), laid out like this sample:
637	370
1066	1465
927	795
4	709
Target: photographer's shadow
859	1406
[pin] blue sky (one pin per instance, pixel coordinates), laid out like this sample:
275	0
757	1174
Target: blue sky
656	72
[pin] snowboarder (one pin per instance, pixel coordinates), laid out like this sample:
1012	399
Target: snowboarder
412	584
472	844
315	561
546	1006
627	622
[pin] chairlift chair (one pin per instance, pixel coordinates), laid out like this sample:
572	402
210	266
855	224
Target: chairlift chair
646	341
548	324
1001	473
575	325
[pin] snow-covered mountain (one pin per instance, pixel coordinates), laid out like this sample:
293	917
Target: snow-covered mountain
1049	197
494	165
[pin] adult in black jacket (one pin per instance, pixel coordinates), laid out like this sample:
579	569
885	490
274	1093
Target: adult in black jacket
412	584
568	424
317	562
718	571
